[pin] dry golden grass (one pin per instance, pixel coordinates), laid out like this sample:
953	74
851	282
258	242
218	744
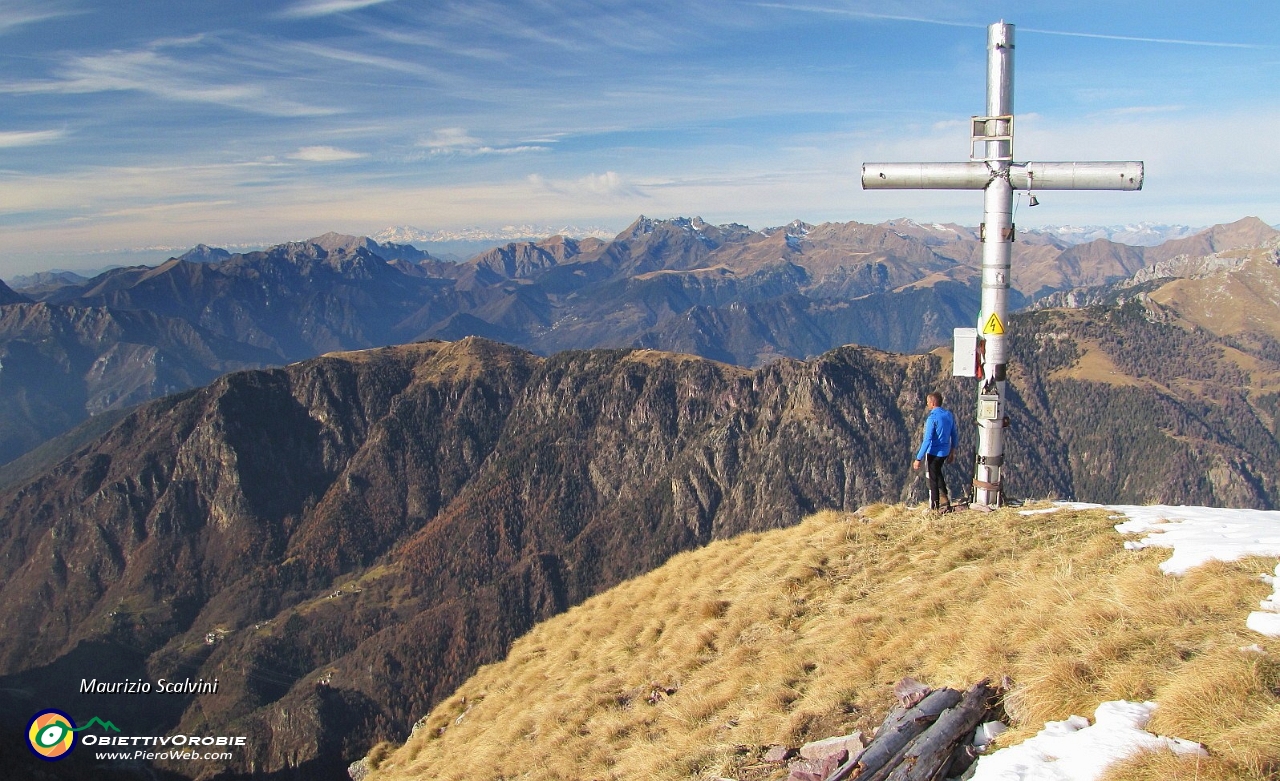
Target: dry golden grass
1228	303
364	355
659	357
800	633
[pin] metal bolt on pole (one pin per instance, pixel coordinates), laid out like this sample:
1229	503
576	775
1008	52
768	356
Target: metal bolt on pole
997	175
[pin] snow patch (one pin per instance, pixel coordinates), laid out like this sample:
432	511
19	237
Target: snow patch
1267	620
1074	750
1202	534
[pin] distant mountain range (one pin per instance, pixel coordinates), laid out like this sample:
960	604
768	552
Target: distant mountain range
1142	234
71	347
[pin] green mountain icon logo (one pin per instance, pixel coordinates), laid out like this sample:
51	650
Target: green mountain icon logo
106	725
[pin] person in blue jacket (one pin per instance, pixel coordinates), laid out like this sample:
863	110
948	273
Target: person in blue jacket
938	447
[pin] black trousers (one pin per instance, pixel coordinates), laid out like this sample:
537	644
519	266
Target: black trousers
937	483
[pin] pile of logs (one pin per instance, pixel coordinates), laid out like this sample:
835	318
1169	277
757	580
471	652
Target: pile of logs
931	735
928	736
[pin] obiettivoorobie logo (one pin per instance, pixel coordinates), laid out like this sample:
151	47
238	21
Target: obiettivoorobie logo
51	734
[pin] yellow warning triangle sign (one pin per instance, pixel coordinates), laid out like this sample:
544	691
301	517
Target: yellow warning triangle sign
993	326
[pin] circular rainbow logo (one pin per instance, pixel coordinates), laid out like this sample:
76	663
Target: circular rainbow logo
51	734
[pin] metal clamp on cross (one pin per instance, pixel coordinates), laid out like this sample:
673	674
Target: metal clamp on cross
996	173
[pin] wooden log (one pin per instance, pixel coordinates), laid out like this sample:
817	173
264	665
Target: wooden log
962	759
902	714
895	734
929	754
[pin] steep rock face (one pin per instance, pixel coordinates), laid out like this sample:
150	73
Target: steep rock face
9	296
523	260
295	300
60	365
342	244
676	244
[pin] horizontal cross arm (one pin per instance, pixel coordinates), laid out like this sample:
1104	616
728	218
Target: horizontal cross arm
1023	176
925	176
1077	176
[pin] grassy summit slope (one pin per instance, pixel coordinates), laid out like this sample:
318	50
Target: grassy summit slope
691	671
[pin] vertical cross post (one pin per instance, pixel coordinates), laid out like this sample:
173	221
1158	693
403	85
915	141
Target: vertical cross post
997	175
997	251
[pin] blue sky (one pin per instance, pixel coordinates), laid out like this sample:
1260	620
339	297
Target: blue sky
237	121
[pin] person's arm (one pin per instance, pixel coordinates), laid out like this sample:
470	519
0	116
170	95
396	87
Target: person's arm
955	439
929	424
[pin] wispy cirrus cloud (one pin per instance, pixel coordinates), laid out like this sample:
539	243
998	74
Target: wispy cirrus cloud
14	138
457	141
161	209
858	14
1143	39
19	14
609	184
380	62
325	154
93	189
312	8
153	72
427	38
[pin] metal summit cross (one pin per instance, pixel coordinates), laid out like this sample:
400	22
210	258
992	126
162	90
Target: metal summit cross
998	176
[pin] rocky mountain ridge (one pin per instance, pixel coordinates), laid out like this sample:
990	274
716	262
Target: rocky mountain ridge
725	292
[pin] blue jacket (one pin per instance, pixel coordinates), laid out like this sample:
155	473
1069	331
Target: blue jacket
939	434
